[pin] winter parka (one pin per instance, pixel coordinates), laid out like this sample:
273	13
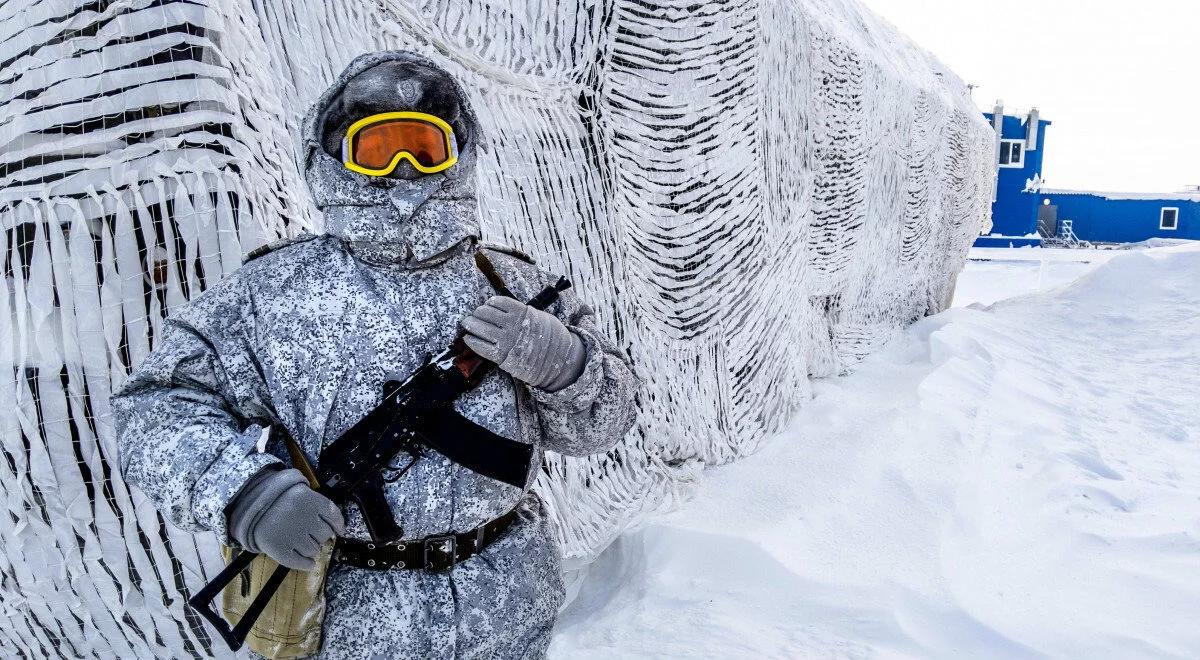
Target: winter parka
305	336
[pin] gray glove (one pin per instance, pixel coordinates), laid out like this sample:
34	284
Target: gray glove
277	514
531	345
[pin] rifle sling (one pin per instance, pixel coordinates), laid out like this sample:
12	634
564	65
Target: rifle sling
489	271
449	433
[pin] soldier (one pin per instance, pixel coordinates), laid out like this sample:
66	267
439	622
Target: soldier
303	337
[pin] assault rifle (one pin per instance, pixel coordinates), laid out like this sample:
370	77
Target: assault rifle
415	415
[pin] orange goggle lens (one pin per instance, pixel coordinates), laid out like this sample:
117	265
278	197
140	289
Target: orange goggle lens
375	145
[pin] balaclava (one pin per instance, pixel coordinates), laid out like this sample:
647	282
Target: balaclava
406	218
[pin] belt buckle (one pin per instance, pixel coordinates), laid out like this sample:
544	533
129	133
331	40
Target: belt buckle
440	552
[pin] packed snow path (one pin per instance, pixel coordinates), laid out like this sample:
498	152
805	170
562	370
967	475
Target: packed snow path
1019	480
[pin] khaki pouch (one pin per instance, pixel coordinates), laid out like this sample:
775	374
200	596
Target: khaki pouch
290	626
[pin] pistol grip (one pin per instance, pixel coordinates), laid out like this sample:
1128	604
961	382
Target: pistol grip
376	511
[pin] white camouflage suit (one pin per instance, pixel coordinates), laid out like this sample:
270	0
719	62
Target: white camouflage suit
305	335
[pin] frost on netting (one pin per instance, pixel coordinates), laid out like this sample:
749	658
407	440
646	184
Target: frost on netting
749	193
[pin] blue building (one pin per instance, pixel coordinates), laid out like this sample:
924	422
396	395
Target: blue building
1024	213
1100	217
1019	154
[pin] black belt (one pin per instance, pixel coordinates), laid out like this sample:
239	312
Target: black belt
433	553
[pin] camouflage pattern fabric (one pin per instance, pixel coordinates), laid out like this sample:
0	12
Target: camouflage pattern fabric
305	335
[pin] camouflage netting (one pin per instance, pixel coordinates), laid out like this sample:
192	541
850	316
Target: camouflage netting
751	193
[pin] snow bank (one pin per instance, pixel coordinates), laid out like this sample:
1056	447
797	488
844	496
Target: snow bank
1019	480
993	274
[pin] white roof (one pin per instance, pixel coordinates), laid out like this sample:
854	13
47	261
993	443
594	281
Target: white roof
1176	196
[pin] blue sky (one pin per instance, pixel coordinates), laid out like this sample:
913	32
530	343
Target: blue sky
1120	79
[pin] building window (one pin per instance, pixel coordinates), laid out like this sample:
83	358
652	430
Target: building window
1169	219
1012	153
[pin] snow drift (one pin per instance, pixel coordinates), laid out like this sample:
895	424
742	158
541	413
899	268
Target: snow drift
749	193
1013	481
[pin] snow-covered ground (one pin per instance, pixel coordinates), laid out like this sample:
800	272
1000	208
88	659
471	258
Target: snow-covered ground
993	274
1010	481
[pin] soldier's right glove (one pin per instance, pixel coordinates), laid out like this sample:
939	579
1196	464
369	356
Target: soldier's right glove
277	514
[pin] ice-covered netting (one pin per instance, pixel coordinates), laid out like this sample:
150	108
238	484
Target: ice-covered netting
750	192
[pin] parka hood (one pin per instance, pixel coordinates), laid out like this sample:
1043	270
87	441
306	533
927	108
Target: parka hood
384	219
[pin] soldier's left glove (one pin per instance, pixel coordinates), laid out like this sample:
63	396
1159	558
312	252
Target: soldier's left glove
531	345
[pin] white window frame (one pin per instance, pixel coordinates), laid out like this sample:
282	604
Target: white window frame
1162	216
1020	164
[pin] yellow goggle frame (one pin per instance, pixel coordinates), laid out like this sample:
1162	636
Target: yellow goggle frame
447	132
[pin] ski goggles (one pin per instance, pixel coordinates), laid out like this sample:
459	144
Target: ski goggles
375	145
